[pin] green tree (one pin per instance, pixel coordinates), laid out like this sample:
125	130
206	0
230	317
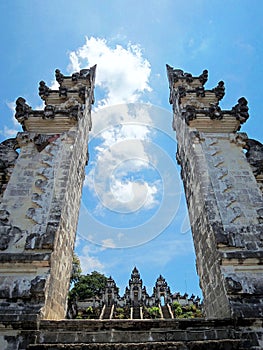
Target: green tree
154	312
177	309
187	311
88	286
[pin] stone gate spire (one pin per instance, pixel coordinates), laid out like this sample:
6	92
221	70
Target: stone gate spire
40	201
223	195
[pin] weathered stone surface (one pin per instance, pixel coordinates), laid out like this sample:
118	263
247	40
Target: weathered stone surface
39	207
223	196
150	334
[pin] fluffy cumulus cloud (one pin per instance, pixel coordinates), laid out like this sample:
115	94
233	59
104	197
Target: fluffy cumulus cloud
122	72
88	258
12	129
122	152
128	171
122	77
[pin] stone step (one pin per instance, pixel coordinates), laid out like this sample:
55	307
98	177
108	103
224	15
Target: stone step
136	313
227	344
165	311
107	312
190	334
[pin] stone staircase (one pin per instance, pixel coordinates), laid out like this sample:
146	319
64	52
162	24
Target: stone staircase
165	311
136	313
107	312
192	334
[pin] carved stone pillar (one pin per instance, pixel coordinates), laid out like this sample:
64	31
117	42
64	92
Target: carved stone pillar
40	204
224	199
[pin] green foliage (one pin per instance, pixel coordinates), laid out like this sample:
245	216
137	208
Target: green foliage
88	286
154	312
177	309
119	313
187	311
89	313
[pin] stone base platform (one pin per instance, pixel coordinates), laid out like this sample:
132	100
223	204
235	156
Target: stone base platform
177	334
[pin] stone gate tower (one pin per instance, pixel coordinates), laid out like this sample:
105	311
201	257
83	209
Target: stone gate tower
223	188
41	198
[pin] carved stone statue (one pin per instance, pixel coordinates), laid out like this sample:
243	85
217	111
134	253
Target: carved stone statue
59	76
241	110
22	109
43	89
219	90
203	77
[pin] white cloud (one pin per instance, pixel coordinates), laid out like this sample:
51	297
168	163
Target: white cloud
89	260
115	190
7	131
90	263
54	85
122	73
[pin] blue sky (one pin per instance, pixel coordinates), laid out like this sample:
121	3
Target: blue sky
136	215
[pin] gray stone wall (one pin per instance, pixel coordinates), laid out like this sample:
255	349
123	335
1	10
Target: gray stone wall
40	204
224	199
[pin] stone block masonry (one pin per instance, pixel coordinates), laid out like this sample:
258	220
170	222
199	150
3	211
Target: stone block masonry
40	203
40	190
223	195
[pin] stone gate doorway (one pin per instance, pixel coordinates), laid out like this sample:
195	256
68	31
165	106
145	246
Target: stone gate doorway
38	221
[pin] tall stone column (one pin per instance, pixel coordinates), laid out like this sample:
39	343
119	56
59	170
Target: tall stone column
41	199
223	191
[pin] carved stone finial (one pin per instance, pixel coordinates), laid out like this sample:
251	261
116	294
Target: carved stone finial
43	89
22	110
240	110
59	76
219	90
203	77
